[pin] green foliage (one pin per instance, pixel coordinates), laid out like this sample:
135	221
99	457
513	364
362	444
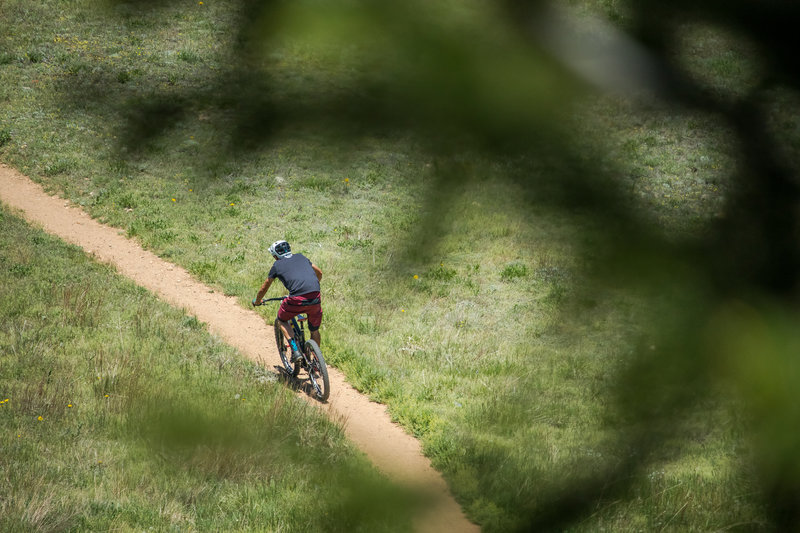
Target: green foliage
188	56
441	273
512	271
205	270
59	166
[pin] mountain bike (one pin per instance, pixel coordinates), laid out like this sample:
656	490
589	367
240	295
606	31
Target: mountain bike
312	360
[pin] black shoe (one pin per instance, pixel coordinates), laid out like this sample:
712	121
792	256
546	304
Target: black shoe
296	356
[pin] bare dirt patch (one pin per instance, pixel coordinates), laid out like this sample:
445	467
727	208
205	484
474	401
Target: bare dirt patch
366	423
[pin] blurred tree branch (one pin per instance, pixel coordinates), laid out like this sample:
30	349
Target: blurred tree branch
500	89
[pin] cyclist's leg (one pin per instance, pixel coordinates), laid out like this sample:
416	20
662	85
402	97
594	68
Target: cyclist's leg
314	321
288	335
285	314
286	328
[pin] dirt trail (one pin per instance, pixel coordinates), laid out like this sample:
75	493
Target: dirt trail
366	423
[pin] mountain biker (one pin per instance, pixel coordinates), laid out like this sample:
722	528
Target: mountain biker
301	278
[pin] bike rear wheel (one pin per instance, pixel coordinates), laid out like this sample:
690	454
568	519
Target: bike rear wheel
284	351
317	371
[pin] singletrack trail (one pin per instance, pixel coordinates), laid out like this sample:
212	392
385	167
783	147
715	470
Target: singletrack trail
366	423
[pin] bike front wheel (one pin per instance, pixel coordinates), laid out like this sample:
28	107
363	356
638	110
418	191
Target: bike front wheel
317	371
284	351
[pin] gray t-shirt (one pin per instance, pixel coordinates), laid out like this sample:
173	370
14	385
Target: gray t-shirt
296	274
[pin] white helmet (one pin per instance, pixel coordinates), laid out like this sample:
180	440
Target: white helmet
280	250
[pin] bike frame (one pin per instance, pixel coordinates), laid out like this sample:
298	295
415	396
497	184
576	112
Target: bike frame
311	356
299	332
297	327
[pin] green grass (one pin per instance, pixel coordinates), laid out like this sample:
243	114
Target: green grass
119	412
485	343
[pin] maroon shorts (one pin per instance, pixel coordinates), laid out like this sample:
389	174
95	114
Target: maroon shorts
295	305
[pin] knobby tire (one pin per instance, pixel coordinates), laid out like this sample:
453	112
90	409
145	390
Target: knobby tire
317	371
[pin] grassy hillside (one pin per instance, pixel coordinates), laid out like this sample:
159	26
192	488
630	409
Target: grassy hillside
486	343
118	412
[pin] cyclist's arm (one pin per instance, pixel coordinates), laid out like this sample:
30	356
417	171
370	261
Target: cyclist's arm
263	290
317	271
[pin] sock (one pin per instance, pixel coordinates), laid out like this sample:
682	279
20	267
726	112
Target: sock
293	344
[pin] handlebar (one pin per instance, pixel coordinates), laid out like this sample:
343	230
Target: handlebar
265	300
300	318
